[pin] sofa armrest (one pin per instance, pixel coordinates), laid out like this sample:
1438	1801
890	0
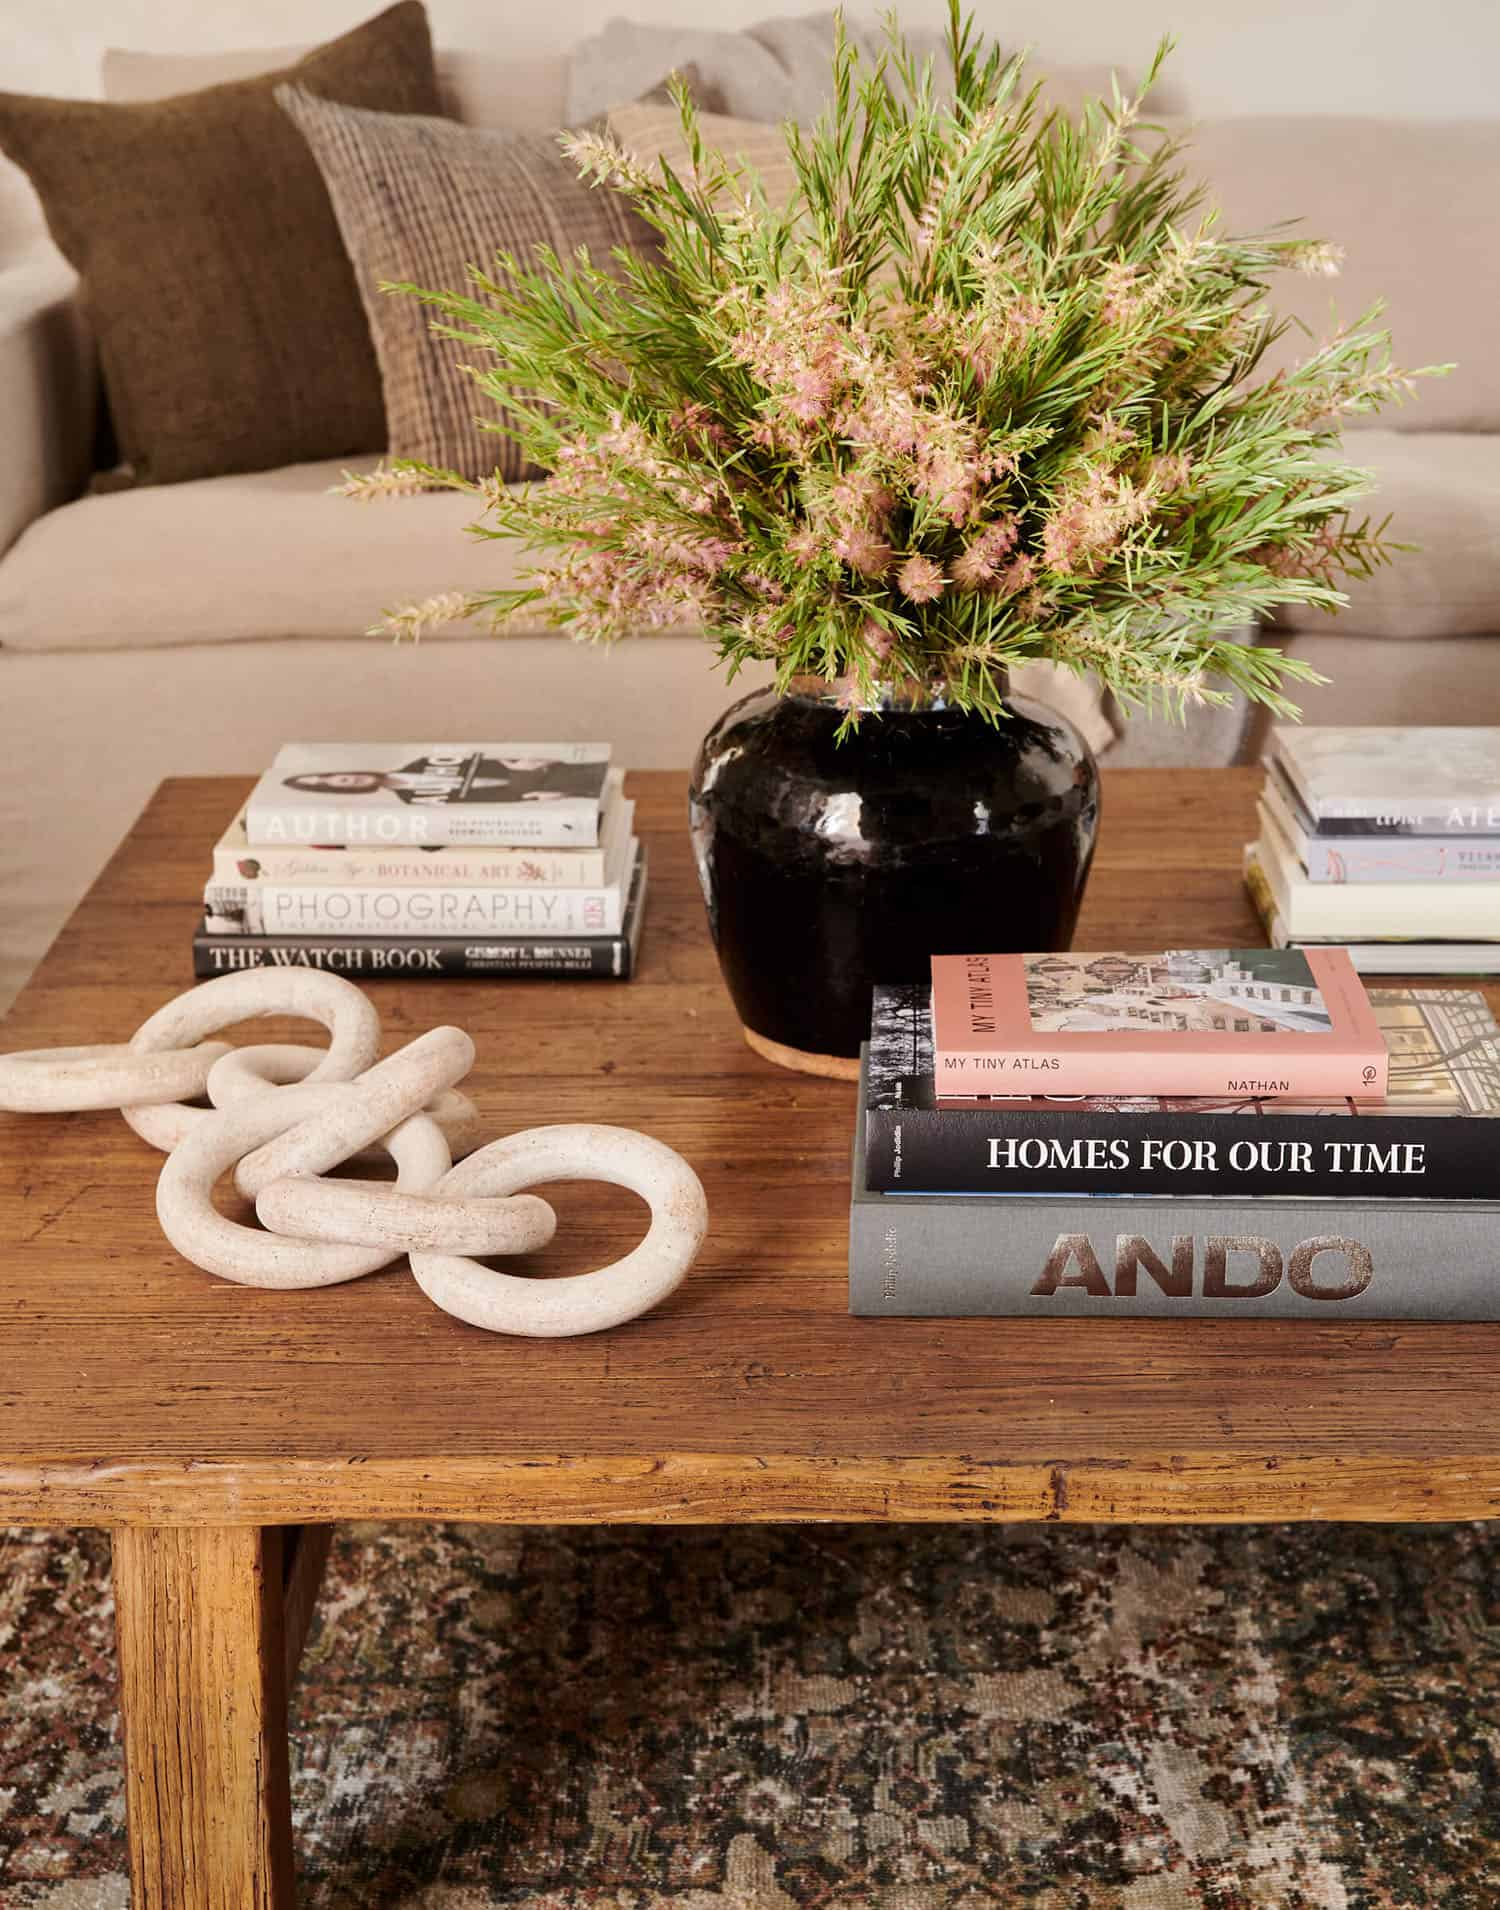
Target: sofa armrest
49	387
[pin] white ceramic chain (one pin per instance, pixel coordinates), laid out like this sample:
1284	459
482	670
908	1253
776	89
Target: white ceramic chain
284	1115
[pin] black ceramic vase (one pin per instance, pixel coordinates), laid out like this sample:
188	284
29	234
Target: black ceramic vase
830	866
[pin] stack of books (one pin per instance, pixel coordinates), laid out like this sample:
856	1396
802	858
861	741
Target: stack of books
438	859
1385	842
1271	1163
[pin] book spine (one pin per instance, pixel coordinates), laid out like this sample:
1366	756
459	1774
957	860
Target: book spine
445	868
572	822
1223	1260
1352	1073
1466	819
1262	899
1361	859
371	958
306	909
1099	1153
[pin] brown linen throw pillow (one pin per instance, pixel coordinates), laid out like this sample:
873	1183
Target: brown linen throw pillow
230	329
423	201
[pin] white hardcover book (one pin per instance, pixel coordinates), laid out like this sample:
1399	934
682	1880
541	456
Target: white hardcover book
1372	911
344	908
236	865
1393	956
1375	781
1422	958
1361	859
543	795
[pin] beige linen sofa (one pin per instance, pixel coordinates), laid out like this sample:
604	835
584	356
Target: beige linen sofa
190	629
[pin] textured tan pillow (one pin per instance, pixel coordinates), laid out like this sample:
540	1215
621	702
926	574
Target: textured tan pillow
653	132
424	200
230	329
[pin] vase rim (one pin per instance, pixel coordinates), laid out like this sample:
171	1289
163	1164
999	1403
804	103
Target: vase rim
903	695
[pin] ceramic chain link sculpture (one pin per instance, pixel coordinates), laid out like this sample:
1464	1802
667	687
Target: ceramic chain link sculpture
282	1116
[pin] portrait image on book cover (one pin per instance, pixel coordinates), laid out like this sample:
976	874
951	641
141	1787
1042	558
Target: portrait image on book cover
1228	991
469	778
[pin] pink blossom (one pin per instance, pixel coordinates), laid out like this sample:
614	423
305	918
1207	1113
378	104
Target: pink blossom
847	693
921	579
863	550
768	628
805	544
860	494
979	562
876	639
1170	472
1089	519
1119	297
1017	575
812	391
696	424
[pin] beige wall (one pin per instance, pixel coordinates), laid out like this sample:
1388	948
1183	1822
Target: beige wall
1351	56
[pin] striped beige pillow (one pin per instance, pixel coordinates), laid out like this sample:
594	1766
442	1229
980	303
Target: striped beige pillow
425	200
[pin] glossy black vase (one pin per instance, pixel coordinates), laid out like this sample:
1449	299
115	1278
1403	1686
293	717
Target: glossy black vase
830	866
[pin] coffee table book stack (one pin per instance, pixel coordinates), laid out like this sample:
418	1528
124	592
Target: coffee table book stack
1384	841
1221	1205
435	859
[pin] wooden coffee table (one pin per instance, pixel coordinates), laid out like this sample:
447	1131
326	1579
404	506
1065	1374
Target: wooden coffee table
218	1430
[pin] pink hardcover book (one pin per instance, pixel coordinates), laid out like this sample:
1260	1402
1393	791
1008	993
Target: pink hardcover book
1293	1023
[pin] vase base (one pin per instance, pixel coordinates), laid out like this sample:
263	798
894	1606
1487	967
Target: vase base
832	1067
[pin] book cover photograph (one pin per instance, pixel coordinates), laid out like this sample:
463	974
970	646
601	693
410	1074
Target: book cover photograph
544	793
1181	989
1181	1021
1436	1136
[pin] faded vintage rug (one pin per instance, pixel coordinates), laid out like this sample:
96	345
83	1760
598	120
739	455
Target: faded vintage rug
902	1718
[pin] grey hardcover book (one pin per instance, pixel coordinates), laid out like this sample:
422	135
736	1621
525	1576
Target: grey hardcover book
1109	1257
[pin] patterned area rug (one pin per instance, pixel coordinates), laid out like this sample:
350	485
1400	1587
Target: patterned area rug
896	1718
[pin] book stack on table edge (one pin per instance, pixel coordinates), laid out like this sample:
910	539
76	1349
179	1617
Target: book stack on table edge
1385	842
1238	1200
430	859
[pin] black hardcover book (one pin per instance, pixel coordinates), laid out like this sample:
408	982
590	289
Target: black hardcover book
1436	1137
386	957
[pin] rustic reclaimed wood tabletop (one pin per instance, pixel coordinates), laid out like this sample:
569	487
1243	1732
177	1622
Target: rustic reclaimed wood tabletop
217	1428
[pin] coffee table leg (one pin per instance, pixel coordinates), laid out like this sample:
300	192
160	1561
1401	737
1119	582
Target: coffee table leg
200	1619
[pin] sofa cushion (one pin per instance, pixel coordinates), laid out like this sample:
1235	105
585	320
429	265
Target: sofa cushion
276	554
1412	202
424	201
259	554
1442	490
1374	680
522	93
230	329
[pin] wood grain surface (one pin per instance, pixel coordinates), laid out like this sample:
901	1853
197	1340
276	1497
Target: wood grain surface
135	1388
198	1615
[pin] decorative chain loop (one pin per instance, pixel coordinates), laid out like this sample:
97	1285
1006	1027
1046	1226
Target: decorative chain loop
283	1116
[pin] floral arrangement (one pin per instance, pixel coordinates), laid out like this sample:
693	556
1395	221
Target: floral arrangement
984	390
